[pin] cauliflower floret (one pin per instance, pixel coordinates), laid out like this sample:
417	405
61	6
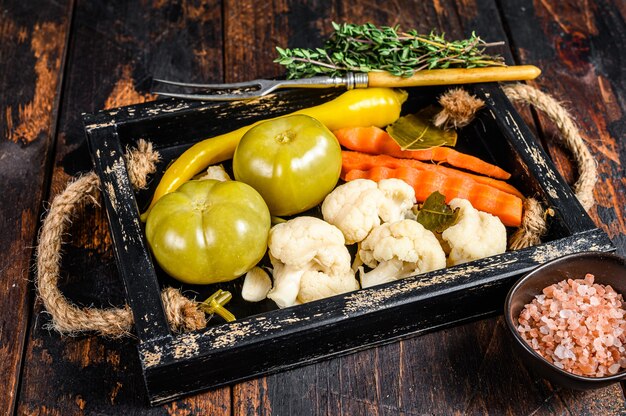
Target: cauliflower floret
398	202
310	261
297	241
318	285
475	235
399	249
353	208
286	283
357	207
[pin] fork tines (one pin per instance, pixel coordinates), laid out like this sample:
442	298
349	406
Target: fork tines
220	92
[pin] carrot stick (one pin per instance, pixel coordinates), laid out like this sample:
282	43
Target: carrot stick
374	140
483	197
362	161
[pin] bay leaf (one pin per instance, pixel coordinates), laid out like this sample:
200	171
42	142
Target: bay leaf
417	131
435	215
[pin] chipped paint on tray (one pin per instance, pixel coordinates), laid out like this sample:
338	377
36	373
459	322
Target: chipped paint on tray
537	158
364	300
227	335
97	126
118	174
152	358
186	346
545	253
108	186
230	335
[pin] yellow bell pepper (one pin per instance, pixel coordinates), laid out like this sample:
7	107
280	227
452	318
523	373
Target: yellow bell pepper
354	108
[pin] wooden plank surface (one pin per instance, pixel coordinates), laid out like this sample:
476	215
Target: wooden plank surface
31	67
574	43
115	47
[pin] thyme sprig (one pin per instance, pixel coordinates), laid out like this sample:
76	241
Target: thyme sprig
366	48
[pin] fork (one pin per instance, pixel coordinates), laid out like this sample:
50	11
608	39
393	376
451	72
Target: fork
261	87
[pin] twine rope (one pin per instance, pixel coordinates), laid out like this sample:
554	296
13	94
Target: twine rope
182	313
570	137
67	318
534	221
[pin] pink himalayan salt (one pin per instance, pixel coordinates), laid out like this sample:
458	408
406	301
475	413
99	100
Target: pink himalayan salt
577	325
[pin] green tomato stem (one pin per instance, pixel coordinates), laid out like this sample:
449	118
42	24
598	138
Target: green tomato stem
215	305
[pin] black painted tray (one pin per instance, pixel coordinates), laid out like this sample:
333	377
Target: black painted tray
265	339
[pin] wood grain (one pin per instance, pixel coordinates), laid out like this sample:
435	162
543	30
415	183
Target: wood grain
31	63
115	49
575	43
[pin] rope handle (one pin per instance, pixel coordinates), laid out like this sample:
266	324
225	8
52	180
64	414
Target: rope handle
182	313
534	223
67	318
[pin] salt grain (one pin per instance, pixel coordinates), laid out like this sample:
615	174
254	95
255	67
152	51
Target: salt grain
614	368
597	344
578	325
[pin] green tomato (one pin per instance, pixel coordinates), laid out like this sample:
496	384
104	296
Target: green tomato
209	231
294	162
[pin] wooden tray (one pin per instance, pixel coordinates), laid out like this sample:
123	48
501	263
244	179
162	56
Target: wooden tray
265	339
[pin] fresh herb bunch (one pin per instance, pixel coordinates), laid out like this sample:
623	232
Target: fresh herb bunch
366	48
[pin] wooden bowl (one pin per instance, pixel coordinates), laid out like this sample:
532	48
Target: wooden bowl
608	269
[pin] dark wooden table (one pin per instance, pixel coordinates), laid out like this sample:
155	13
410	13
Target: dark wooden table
59	59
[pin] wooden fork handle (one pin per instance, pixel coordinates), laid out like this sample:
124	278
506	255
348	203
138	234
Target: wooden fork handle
455	76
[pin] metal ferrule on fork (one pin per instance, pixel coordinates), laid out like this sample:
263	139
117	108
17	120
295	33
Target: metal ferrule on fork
350	81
